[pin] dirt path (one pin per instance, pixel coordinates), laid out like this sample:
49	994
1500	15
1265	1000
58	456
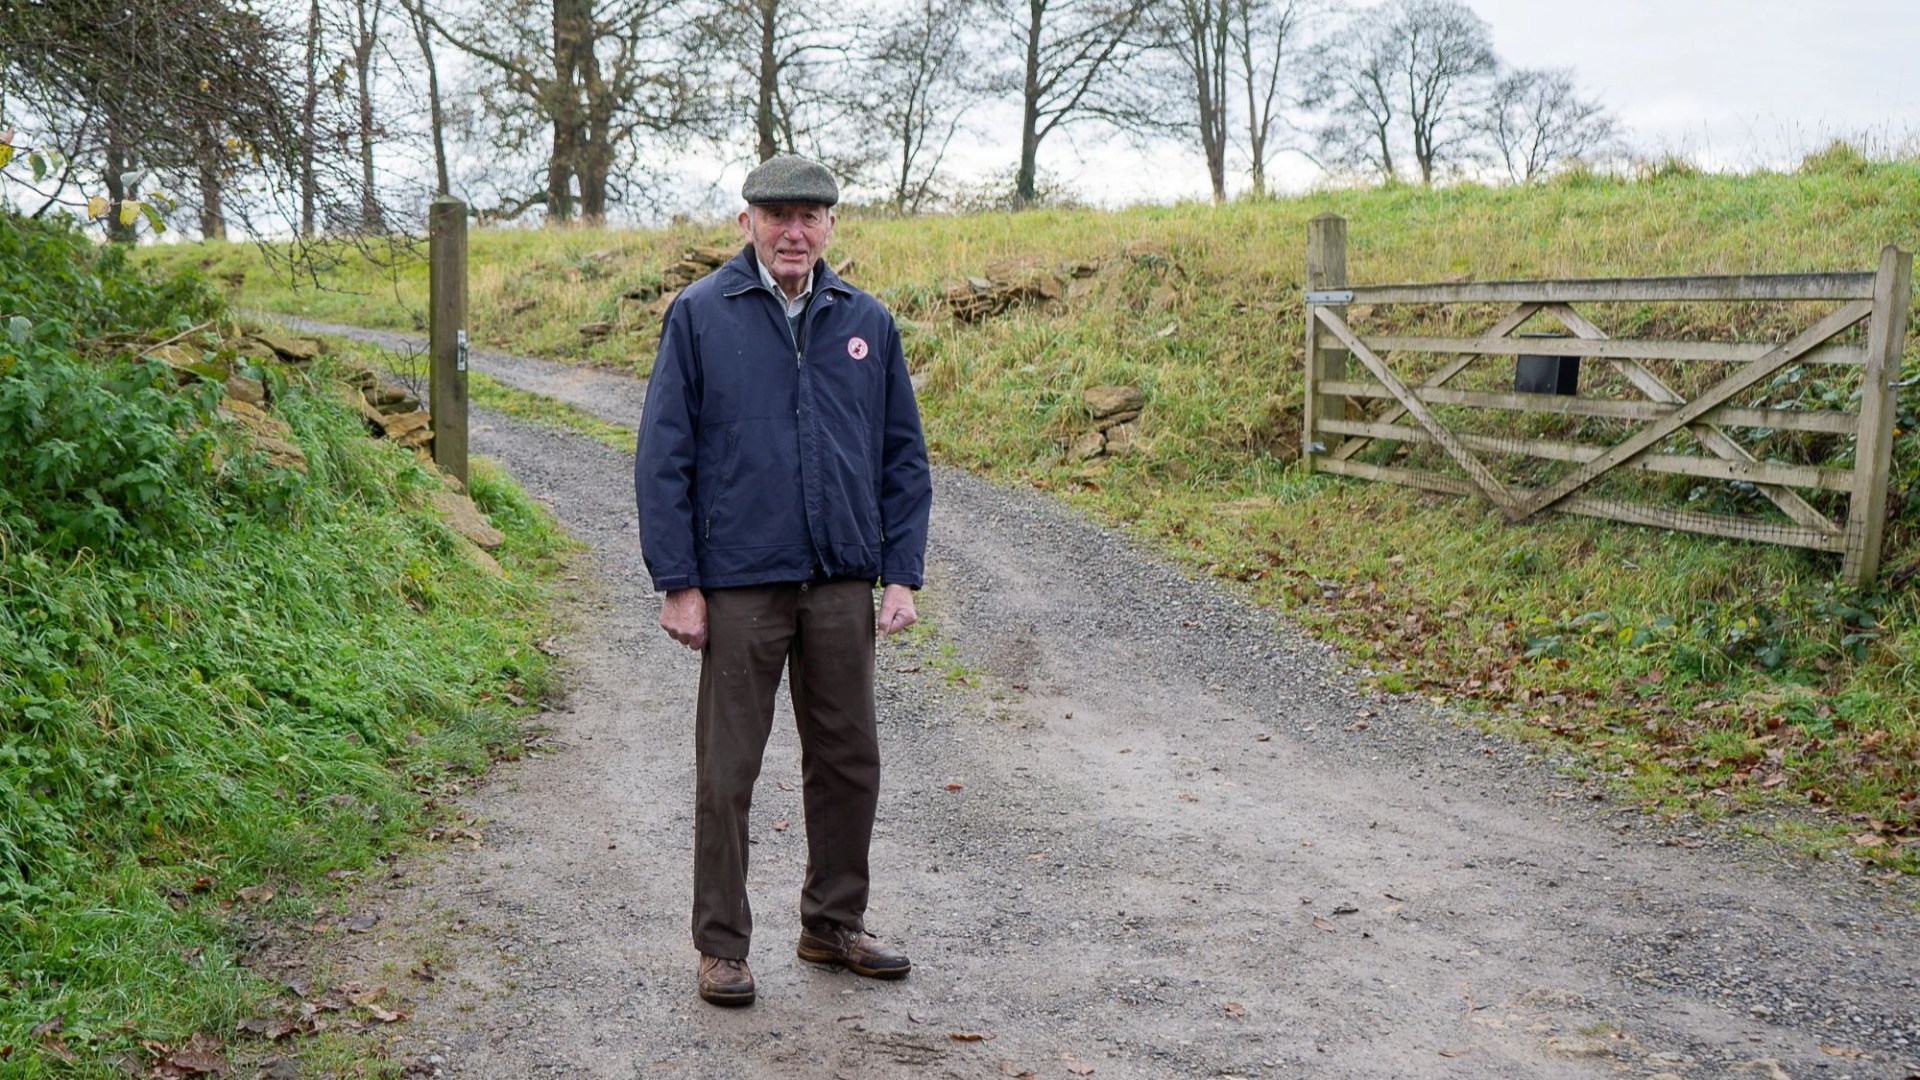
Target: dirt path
1151	833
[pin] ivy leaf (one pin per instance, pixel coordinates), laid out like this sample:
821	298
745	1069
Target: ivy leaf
96	207
129	211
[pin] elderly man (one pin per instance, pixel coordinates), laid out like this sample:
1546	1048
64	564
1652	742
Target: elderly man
781	473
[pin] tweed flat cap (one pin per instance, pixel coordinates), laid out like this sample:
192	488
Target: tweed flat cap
790	178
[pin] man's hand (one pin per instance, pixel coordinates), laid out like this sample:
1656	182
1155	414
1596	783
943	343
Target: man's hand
896	609
683	615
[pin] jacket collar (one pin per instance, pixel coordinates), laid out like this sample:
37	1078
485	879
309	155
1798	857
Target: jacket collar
741	274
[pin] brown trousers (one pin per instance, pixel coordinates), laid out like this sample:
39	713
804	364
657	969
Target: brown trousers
823	634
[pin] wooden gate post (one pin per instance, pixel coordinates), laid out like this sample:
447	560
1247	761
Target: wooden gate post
1873	446
1326	272
447	333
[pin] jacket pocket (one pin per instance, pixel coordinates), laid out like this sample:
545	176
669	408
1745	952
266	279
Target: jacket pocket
713	486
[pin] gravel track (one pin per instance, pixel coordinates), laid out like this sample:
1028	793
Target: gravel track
1130	823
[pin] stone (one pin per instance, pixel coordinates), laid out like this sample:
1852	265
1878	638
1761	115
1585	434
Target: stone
1105	401
1108	423
466	519
1122	439
280	452
1087	447
398	424
295	350
388	394
1579	1046
419	437
595	329
255	419
250	391
485	562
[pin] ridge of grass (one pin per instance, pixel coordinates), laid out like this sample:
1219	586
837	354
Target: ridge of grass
1704	675
223	683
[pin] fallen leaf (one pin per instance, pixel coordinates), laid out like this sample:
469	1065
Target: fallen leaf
1076	1066
272	1028
1842	1051
1456	1052
383	1015
1322	924
48	1026
257	894
785	786
1346	909
968	1036
1188	796
1018	1072
279	1068
850	1016
955	787
1236	1010
200	1057
362	922
1869	839
1261	736
781	826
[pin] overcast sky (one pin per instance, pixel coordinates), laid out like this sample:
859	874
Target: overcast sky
1730	83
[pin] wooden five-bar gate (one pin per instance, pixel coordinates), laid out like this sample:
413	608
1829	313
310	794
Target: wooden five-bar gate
1638	422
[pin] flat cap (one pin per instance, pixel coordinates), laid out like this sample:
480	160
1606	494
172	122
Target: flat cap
790	178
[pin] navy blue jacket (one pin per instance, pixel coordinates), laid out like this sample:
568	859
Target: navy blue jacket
765	460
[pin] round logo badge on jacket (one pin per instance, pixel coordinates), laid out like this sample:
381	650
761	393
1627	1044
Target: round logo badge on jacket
857	348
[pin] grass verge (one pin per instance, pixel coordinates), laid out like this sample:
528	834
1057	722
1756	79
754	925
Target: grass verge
224	683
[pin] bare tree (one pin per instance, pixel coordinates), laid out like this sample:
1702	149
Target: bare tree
1429	59
1447	51
1357	82
921	90
788	57
309	135
1073	55
366	37
1264	35
1198	35
147	94
422	25
1536	119
587	78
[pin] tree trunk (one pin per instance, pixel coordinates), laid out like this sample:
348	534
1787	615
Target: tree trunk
1024	187
308	188
764	123
572	36
364	41
423	33
119	192
213	221
596	152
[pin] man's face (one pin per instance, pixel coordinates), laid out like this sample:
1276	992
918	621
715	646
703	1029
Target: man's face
788	237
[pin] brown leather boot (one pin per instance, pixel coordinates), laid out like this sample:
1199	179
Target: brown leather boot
724	981
855	950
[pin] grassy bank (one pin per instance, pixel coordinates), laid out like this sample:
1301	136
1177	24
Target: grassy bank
225	684
1707	674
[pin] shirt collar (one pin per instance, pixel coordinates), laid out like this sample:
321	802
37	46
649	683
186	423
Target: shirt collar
794	305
